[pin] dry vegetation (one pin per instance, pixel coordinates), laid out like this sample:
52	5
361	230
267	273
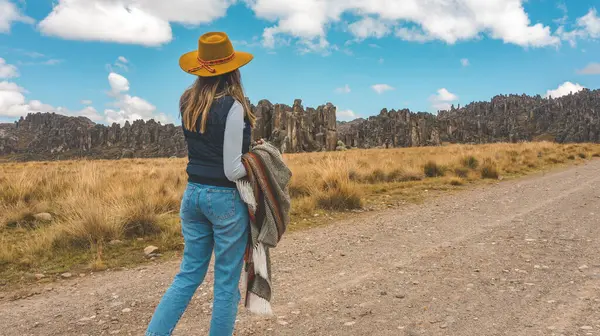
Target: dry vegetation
94	203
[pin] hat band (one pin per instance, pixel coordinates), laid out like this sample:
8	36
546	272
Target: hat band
207	64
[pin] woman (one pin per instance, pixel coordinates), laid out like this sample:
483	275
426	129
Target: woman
216	122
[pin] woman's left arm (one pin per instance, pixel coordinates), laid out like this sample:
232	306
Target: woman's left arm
233	142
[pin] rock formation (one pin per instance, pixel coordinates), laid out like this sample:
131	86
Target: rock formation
51	136
295	130
512	118
391	129
47	136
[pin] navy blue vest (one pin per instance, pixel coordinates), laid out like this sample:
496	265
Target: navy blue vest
205	151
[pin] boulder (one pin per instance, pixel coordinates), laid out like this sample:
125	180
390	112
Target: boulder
149	250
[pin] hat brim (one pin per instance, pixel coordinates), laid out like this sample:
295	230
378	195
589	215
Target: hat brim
190	60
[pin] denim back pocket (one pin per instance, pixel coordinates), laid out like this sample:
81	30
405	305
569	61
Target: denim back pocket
187	201
221	203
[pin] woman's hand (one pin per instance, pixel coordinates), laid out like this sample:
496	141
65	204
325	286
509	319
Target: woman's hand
260	141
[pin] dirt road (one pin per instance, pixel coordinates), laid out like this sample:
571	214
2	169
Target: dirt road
518	258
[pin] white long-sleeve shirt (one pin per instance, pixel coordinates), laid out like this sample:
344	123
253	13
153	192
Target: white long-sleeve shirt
233	142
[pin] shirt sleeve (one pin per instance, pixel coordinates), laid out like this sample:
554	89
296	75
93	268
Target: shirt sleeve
233	142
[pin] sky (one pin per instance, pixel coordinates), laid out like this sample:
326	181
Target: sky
117	60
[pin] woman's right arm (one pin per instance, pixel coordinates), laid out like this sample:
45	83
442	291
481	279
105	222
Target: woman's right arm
233	142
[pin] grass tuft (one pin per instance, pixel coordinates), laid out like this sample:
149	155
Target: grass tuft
489	170
470	162
432	169
456	181
461	172
342	198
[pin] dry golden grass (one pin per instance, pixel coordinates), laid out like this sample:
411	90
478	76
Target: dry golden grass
96	202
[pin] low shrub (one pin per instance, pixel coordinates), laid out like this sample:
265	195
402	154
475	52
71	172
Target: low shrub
461	172
489	170
432	169
456	181
345	197
470	162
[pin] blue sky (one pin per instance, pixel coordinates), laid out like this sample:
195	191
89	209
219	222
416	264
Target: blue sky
361	56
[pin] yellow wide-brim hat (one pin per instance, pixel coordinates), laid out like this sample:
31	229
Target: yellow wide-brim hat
215	56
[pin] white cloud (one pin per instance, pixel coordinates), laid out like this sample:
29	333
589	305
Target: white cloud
269	37
9	13
414	20
121	63
127	107
381	88
319	45
590	69
131	108
38	106
443	99
465	62
563	8
445	95
344	89
588	27
148	22
346	115
51	61
413	35
38	58
13	104
570	36
564	89
105	20
369	27
7	70
136	105
590	23
128	21
254	42
118	83
11	98
34	54
347	52
9	86
91	113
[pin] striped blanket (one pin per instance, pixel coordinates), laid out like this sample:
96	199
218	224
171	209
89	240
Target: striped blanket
265	191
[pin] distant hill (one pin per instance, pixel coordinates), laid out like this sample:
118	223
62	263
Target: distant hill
505	118
50	136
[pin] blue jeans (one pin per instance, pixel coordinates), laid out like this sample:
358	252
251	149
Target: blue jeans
211	217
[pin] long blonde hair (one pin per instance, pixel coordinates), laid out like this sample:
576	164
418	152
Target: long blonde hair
196	100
